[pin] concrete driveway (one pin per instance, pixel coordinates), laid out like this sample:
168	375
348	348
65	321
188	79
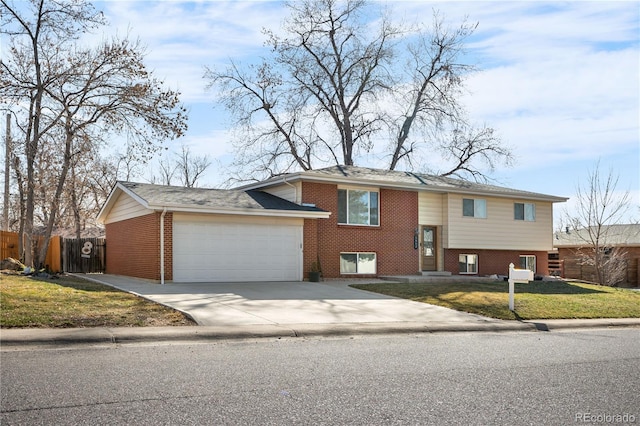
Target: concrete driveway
278	303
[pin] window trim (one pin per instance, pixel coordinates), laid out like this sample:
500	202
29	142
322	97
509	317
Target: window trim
532	212
358	253
476	204
377	209
467	263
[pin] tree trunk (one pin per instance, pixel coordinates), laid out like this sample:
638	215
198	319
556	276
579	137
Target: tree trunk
74	203
56	199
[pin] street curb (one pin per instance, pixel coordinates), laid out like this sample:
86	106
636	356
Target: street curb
46	337
569	324
123	335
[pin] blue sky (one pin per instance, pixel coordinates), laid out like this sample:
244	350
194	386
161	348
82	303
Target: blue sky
559	81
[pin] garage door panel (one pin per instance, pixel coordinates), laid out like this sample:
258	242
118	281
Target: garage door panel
236	249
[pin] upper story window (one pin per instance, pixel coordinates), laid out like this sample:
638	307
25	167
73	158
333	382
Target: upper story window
358	207
524	211
474	207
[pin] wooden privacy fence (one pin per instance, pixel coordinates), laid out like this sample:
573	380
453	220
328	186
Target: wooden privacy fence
64	254
9	244
84	255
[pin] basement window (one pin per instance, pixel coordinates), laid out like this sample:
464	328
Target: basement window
528	262
468	263
358	263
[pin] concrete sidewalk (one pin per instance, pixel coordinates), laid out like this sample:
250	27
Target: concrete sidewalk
282	309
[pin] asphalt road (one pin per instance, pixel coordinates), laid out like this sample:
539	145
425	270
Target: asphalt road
451	378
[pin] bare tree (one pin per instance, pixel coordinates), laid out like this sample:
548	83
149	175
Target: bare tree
33	34
184	166
465	147
76	96
337	84
190	167
599	207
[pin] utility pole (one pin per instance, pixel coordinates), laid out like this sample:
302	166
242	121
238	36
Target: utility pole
5	208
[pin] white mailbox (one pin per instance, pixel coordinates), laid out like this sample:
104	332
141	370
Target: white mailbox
520	276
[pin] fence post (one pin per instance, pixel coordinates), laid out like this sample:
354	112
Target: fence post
65	257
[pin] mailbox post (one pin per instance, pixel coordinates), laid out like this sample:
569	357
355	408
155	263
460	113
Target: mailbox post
517	276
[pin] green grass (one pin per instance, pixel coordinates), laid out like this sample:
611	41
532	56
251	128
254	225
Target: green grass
27	302
535	300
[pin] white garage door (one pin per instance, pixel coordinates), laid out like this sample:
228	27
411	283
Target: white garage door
228	248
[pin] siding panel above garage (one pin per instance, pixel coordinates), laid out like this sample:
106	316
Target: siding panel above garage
234	249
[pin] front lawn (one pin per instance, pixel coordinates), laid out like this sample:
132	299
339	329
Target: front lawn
27	302
535	300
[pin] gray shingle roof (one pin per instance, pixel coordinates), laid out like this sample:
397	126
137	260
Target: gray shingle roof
416	181
612	235
155	196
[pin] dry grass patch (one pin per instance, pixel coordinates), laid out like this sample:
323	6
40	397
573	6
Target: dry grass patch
535	300
66	302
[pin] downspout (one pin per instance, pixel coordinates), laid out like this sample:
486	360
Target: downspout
295	190
164	212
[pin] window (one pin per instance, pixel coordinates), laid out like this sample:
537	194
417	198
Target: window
357	207
474	207
468	263
528	262
358	263
524	211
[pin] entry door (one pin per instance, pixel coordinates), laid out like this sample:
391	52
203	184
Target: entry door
429	249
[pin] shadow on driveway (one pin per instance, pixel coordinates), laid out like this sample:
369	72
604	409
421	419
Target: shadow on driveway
278	303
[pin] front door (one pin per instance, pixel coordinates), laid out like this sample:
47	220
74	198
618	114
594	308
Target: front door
429	249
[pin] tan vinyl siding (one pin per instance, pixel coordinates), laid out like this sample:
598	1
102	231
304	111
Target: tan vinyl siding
430	208
445	220
290	192
124	208
499	231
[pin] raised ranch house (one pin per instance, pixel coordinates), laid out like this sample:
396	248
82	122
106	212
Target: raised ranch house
351	221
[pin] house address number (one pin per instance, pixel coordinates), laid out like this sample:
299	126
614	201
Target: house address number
87	247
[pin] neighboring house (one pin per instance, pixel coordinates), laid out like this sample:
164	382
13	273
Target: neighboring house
353	221
573	244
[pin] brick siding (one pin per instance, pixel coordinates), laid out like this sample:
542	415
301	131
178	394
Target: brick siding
495	261
392	241
134	246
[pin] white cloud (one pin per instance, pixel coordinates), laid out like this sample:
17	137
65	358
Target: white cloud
183	37
559	81
562	80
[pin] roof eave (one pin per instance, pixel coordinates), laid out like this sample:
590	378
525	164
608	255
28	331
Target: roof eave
176	208
301	176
